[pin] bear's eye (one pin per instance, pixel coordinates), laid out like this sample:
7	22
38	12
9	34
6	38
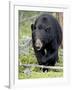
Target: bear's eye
34	27
48	29
40	27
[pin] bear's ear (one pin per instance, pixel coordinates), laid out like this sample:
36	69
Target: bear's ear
32	27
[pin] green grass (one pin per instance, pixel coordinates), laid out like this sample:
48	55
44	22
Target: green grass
50	74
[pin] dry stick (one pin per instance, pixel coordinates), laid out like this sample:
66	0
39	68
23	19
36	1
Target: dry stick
41	66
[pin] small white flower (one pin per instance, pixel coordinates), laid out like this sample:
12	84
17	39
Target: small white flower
27	71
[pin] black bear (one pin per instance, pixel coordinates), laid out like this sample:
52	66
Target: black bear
46	39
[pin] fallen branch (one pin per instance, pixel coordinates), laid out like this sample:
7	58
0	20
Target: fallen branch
42	66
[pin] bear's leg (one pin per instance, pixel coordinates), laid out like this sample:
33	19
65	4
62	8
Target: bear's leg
39	54
52	53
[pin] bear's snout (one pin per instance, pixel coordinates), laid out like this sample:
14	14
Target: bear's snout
38	44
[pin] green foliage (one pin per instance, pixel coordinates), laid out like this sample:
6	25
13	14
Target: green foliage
51	74
28	58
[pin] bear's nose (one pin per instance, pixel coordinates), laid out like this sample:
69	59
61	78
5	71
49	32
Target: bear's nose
38	44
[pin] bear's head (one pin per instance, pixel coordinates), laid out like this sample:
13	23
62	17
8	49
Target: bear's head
42	32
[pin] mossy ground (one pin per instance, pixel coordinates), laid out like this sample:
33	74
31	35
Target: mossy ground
50	74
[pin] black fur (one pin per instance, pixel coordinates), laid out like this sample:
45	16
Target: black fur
48	30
